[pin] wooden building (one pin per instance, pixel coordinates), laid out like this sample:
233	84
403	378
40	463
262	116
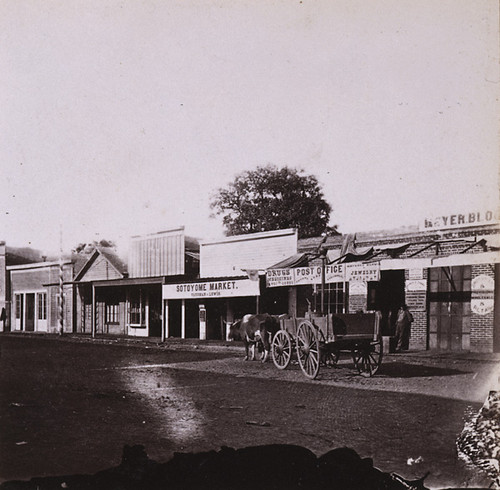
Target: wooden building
115	298
36	299
231	284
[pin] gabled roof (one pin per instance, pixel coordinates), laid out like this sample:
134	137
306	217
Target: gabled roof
110	256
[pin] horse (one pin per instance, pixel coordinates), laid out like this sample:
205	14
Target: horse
255	330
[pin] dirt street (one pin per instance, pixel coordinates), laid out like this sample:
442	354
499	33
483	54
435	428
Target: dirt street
69	407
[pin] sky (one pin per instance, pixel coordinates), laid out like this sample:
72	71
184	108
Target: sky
123	117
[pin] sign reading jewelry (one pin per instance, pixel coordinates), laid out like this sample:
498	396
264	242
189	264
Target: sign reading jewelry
211	289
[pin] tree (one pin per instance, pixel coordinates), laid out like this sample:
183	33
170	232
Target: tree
271	198
87	248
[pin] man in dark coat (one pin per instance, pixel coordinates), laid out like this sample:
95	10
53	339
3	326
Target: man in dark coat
403	327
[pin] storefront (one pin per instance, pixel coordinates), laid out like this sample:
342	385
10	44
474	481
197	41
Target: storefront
117	298
42	297
203	309
448	278
230	285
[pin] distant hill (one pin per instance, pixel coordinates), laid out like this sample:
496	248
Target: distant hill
24	255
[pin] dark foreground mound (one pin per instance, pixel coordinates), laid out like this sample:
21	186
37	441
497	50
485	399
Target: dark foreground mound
272	467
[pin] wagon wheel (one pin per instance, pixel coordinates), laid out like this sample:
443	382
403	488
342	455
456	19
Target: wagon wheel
367	358
308	349
281	349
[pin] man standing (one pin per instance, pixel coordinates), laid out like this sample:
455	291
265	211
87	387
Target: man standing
403	327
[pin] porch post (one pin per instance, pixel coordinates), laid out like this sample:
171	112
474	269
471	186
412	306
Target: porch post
93	311
183	319
166	332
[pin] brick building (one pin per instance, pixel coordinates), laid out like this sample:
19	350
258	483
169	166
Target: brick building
447	272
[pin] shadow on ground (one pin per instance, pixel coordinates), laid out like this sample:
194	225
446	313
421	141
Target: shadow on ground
403	370
276	466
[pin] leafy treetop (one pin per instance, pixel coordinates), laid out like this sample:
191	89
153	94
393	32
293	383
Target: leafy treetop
270	198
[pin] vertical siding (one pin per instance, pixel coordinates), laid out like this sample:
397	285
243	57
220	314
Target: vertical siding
161	255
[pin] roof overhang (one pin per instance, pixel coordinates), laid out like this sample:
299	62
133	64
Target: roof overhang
37	265
450	260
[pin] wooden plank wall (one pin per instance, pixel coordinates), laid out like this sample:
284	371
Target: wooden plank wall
159	255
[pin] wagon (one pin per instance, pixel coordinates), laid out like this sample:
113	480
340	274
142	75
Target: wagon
319	340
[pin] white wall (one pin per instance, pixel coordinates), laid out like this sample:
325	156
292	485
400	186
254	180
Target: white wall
255	251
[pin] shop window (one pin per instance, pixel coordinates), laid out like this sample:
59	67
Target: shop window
113	313
42	306
334	298
19	299
450	280
137	309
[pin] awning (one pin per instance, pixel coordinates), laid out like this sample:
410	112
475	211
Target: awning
492	241
358	254
295	260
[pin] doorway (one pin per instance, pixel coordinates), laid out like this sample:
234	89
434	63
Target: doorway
389	296
30	312
174	318
449	307
216	313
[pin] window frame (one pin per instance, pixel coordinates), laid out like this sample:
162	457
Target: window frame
41	298
112	313
137	306
18	300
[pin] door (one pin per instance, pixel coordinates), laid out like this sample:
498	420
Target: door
155	313
389	296
30	312
449	308
174	318
216	313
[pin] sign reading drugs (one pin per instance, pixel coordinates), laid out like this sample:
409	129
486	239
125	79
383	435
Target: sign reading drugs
211	289
279	277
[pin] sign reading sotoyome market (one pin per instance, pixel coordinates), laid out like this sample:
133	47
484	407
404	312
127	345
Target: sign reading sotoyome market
459	220
211	289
